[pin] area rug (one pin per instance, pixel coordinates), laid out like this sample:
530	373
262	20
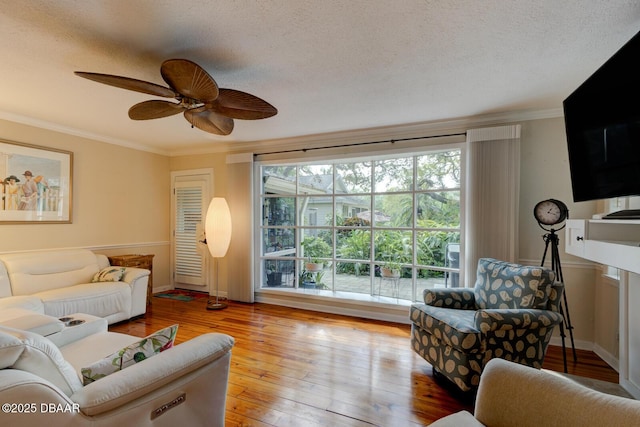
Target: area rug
181	295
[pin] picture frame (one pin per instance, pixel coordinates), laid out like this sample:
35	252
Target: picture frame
35	184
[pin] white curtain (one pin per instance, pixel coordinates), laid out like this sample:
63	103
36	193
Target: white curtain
492	196
240	255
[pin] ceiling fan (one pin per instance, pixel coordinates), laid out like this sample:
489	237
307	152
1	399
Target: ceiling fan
205	106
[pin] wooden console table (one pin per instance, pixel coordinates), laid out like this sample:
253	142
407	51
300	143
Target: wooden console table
139	261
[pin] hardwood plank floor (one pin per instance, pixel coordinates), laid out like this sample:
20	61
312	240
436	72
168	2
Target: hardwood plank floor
294	367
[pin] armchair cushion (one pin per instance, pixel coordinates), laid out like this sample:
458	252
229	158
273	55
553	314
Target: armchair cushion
131	354
456	328
501	284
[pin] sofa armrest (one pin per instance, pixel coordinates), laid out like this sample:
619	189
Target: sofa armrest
150	375
491	320
459	298
131	274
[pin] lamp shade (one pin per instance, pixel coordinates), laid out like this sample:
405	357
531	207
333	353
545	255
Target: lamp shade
217	227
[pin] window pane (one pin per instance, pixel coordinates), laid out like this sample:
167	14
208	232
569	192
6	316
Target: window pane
315	210
393	175
394	287
393	246
434	246
353	277
438	210
278	241
278	273
316	244
353	178
353	210
353	244
278	211
438	170
315	276
393	210
279	180
315	179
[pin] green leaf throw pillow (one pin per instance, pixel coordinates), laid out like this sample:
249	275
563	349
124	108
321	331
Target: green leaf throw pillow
109	274
137	352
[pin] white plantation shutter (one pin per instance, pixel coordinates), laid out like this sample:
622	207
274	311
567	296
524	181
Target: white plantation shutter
190	210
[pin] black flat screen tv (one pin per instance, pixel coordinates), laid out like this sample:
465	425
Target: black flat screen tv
602	123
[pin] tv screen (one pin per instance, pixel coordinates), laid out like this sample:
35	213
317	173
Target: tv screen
602	122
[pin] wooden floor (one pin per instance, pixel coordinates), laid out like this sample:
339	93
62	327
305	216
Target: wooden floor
293	367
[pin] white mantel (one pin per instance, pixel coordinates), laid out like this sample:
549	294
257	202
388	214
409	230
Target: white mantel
616	243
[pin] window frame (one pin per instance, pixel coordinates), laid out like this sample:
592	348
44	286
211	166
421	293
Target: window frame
345	158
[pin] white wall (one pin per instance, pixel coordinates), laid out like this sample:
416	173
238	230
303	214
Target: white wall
544	175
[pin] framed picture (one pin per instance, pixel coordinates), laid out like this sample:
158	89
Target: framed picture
35	184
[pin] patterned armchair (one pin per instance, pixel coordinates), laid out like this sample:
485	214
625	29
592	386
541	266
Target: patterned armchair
510	314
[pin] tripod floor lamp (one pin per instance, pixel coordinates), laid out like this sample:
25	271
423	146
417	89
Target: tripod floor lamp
217	228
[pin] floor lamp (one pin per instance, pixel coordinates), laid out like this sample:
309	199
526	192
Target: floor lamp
217	228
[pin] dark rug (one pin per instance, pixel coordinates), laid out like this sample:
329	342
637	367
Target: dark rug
181	295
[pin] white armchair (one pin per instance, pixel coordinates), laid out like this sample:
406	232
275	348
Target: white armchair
40	383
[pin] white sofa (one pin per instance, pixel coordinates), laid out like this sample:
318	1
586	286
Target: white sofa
40	381
511	394
58	282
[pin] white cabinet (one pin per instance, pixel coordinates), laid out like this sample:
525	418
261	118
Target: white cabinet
609	242
616	243
575	232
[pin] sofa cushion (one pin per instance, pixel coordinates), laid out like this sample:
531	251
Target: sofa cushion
501	284
109	274
27	302
41	357
131	354
456	328
32	272
99	299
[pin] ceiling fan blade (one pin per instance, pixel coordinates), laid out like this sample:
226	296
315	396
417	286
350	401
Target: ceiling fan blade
129	84
154	110
189	79
241	105
209	121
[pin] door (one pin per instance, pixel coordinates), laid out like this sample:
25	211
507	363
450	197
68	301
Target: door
190	259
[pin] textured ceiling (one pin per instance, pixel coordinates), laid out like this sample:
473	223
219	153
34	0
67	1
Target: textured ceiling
327	65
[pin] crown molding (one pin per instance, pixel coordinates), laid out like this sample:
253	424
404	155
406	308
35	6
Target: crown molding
407	130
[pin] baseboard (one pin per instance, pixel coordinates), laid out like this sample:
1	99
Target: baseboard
579	344
157	289
398	314
607	357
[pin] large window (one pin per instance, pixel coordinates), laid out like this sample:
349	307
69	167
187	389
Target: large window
335	226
